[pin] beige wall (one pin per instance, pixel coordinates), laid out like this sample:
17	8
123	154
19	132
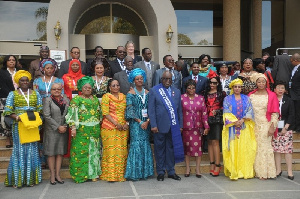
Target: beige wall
20	47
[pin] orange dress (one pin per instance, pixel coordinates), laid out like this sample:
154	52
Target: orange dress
114	142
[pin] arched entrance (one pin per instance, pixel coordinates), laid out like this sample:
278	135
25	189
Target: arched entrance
150	19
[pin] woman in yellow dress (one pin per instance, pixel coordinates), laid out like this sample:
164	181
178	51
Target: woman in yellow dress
114	134
238	137
266	112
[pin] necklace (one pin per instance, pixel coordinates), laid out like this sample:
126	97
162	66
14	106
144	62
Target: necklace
247	73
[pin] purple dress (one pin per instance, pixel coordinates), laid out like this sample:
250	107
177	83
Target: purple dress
194	120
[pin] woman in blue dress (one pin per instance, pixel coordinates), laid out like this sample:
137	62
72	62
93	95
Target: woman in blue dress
24	166
43	84
140	158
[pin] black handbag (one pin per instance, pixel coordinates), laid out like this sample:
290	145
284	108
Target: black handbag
217	118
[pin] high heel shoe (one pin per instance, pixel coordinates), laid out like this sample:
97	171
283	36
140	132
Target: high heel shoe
53	183
187	174
60	182
216	173
291	177
211	171
279	174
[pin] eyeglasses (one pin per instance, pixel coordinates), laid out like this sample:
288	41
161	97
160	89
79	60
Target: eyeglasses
11	60
171	60
214	83
87	88
120	51
191	88
115	85
76	53
166	79
56	89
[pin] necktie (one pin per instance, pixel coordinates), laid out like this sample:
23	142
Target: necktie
122	64
173	75
195	78
148	67
128	72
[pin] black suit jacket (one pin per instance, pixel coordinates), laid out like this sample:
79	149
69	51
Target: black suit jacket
200	86
6	83
114	67
288	112
295	87
64	68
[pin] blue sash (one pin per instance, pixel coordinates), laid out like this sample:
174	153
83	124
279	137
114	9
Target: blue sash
175	127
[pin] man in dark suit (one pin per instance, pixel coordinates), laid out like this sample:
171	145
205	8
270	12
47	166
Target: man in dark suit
148	66
165	114
117	65
282	67
200	81
98	53
64	66
169	66
34	68
294	88
122	76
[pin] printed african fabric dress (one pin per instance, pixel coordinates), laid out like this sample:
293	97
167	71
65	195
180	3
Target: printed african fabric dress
115	151
86	115
238	143
100	87
24	166
140	157
40	86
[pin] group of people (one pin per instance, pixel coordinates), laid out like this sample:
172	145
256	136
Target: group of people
92	111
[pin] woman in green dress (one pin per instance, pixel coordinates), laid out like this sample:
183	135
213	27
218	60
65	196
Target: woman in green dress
84	117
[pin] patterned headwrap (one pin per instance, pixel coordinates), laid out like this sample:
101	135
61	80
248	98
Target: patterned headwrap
137	72
235	82
44	48
44	62
85	80
21	73
254	77
212	74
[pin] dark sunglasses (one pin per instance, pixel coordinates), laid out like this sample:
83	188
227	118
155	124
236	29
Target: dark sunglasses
214	83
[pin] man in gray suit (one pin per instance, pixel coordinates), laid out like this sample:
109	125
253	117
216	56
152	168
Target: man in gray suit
282	67
169	66
148	66
122	76
64	66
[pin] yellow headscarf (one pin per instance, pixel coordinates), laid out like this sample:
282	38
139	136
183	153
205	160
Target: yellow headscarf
255	77
237	81
21	73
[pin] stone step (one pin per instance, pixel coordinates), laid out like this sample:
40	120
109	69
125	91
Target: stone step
5	152
2	141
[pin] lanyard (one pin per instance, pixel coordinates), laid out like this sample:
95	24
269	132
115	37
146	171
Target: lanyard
74	84
26	98
100	82
47	84
144	96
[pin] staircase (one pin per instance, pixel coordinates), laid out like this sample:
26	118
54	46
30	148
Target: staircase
180	167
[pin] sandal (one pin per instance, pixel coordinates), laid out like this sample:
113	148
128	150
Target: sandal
211	171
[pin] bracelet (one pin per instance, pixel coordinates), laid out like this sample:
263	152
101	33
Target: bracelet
141	122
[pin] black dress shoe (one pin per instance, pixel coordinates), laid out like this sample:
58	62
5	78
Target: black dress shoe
279	174
175	177
291	177
198	175
160	177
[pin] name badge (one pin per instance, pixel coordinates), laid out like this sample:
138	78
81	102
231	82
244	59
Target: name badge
144	113
74	94
280	124
290	84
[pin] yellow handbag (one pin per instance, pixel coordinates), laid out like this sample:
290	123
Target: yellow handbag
28	130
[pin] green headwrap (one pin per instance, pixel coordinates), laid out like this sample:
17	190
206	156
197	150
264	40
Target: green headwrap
85	80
